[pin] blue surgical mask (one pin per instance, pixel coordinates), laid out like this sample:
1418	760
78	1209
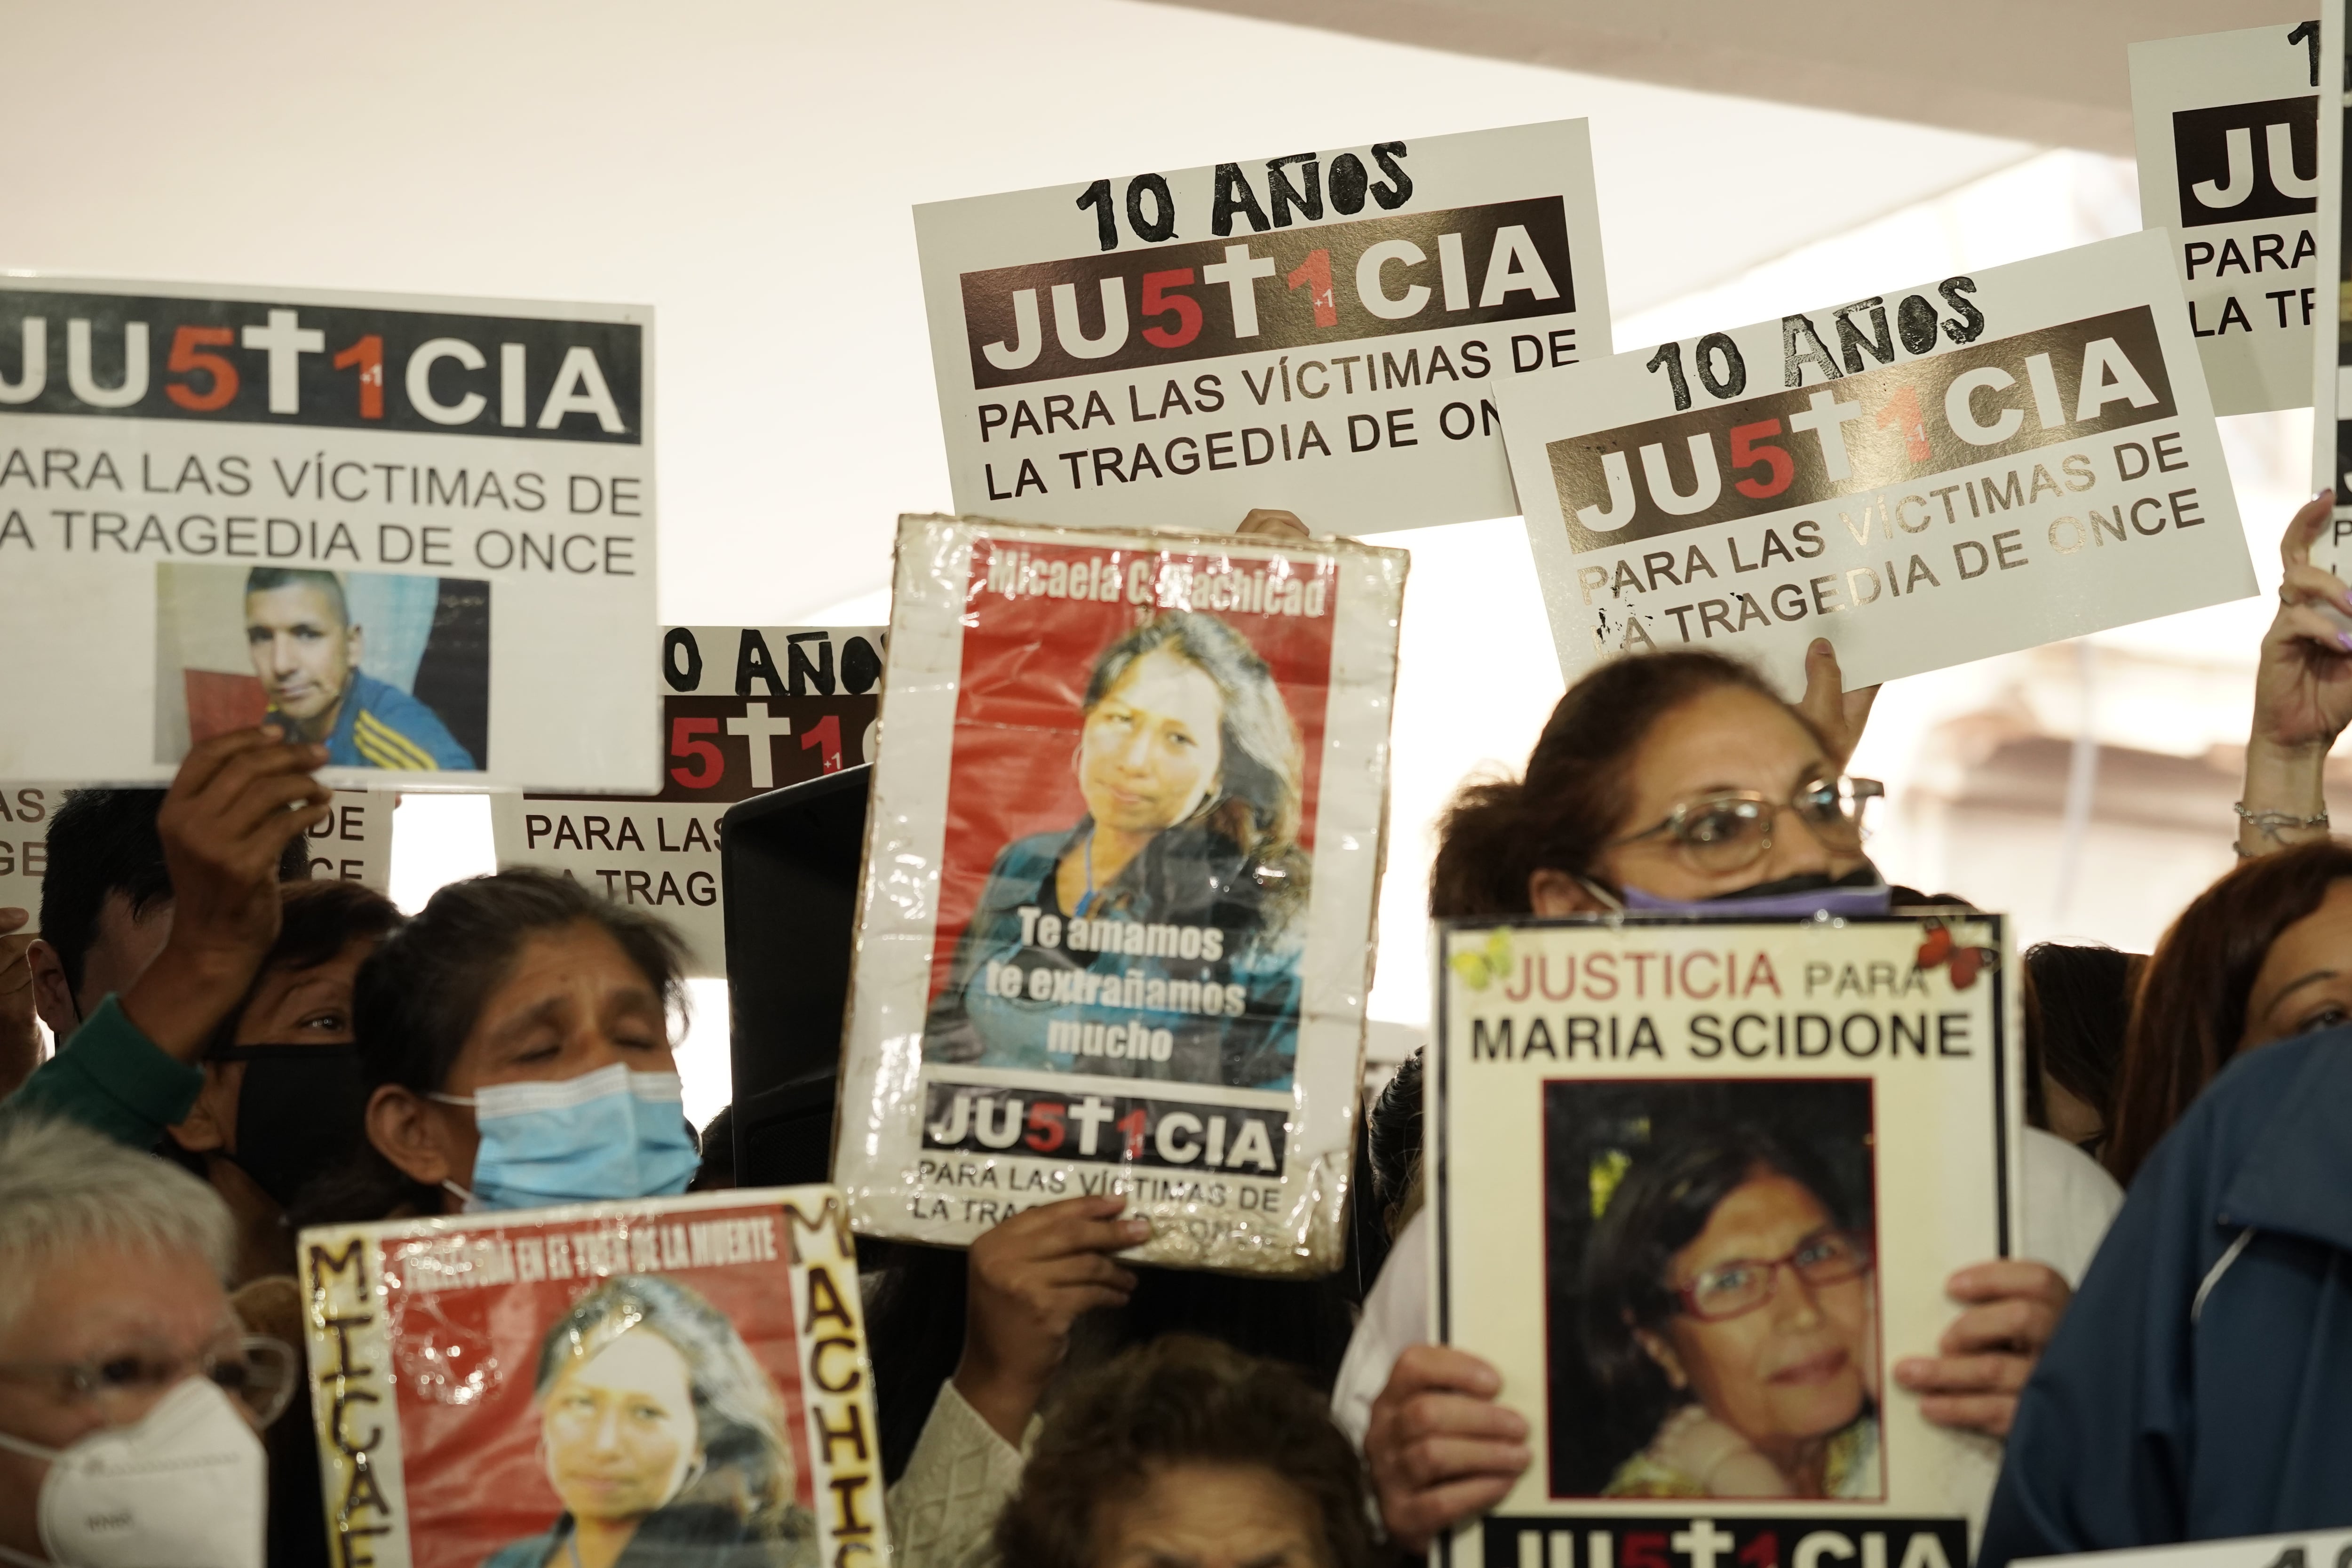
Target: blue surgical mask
1859	892
611	1134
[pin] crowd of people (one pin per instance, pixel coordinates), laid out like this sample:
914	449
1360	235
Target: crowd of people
242	1052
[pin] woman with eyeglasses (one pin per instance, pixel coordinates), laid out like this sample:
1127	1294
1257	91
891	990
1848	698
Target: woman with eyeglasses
1728	1320
1682	782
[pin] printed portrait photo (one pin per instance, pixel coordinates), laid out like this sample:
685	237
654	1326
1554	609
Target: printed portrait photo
385	670
631	1417
1130	819
1712	1288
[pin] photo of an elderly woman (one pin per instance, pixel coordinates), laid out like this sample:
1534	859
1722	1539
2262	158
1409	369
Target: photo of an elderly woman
663	1437
1729	1320
1158	935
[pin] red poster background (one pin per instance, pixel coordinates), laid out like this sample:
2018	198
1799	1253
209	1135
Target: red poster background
475	1477
1025	666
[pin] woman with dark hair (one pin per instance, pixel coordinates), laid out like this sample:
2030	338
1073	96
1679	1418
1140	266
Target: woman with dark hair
2190	1394
664	1438
1185	1451
1682	782
1728	1320
2263	955
514	1038
1174	900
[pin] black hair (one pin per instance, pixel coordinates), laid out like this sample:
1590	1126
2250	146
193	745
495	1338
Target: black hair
269	579
1392	1136
1661	1204
2078	1002
102	842
318	919
419	995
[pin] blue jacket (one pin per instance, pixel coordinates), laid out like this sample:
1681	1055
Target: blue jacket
2198	1386
381	726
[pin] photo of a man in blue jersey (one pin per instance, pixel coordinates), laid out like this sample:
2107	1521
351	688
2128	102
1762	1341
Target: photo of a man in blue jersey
307	653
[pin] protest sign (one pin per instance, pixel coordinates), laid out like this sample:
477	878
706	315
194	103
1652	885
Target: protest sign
354	844
744	709
2331	347
2228	127
462	1368
1120	870
1694	1184
1319	332
1925	476
405	526
2310	1549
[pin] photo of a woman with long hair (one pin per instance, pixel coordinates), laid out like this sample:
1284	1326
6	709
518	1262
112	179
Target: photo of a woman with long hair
1730	1322
1158	936
663	1437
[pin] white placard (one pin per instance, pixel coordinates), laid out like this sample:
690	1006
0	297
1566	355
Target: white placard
2310	1549
1321	331
1932	474
2331	344
354	844
744	710
1695	1184
419	529
1121	865
2228	127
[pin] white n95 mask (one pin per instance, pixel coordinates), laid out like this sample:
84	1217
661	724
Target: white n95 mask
186	1487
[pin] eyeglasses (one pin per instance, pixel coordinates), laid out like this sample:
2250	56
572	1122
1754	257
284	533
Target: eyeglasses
257	1371
1743	1284
1731	831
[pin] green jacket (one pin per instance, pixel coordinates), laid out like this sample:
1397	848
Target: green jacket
113	1079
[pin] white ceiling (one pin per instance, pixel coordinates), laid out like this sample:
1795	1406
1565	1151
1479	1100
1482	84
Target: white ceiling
747	168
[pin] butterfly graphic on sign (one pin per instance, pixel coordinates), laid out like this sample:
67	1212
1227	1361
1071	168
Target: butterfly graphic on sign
1941	948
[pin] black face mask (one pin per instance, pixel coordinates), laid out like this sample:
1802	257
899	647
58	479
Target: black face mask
300	1110
1862	876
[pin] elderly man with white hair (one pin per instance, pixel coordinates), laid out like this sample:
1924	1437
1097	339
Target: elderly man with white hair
130	1395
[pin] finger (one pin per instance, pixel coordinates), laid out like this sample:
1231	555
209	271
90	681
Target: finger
1433	1415
1418	1515
1076	1234
2326	631
14	919
1824	685
1858	704
1083	1268
268	807
1439	1460
2005	1326
234	776
1987	1413
206	758
2302	529
2004	1277
2315	585
1963	1373
1423	1368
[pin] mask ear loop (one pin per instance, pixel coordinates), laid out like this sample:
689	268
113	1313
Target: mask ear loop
1610	901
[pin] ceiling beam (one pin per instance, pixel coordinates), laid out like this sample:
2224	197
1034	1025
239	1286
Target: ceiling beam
2051	72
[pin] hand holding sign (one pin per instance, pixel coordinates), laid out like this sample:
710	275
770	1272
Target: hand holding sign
2302	694
1030	1277
20	1041
1829	706
1439	1449
238	800
1991	1347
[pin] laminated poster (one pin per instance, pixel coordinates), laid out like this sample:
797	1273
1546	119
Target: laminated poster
1321	331
684	1378
2228	126
354	844
409	527
2311	1549
744	710
1696	1184
1115	931
1932	474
